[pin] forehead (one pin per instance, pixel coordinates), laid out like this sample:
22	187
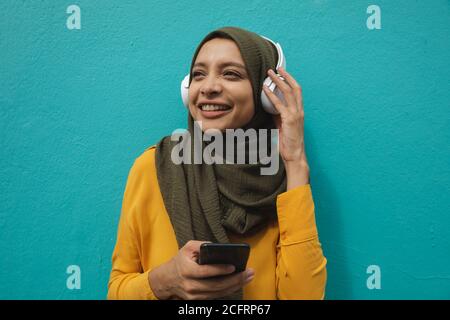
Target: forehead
219	50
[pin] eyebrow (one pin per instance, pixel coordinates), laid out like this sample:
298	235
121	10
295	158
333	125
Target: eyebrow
223	64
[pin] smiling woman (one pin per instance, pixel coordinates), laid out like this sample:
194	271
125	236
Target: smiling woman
169	209
220	92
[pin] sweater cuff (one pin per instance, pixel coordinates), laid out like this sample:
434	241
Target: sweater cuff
144	287
296	218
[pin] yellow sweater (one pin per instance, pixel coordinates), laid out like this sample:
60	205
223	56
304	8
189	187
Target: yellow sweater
286	256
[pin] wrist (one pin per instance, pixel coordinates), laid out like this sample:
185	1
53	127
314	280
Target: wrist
160	281
297	174
296	166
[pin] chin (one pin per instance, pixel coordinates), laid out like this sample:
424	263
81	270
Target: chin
208	124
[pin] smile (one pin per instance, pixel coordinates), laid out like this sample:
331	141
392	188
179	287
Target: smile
214	107
212	111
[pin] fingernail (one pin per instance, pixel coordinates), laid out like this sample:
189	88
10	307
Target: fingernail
231	269
250	273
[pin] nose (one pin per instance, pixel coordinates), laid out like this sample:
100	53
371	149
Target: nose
210	86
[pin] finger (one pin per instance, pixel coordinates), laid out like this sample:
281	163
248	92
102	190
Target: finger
278	104
192	248
294	85
197	271
288	92
212	285
221	286
232	289
194	245
223	283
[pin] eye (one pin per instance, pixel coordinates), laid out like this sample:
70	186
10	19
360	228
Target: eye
195	74
232	74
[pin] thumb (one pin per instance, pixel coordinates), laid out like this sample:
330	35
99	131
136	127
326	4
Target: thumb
194	245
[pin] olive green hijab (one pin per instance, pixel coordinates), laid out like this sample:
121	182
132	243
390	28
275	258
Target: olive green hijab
208	202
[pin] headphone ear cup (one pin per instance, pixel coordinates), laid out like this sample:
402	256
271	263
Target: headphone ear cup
185	91
266	102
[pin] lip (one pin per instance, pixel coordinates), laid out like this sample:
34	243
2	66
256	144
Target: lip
214	114
212	102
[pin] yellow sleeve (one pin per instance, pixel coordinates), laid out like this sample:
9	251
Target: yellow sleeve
301	266
127	279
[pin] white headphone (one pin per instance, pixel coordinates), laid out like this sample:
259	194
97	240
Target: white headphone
266	103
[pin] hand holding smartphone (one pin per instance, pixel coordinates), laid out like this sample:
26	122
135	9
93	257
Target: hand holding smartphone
225	253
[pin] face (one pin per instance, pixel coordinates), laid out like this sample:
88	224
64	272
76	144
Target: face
220	94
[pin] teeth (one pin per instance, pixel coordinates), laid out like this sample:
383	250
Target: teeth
211	107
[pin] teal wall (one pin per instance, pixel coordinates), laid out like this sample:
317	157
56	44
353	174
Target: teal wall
78	106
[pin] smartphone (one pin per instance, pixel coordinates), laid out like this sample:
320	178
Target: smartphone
225	253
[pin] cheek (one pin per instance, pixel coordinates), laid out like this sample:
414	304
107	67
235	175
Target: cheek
248	107
242	92
192	98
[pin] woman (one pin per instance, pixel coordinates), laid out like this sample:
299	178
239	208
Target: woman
169	210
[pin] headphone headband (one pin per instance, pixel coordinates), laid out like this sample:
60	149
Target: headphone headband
281	61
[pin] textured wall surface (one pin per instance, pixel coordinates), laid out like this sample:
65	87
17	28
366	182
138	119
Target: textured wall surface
78	106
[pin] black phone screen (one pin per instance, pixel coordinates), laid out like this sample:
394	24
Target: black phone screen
225	253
